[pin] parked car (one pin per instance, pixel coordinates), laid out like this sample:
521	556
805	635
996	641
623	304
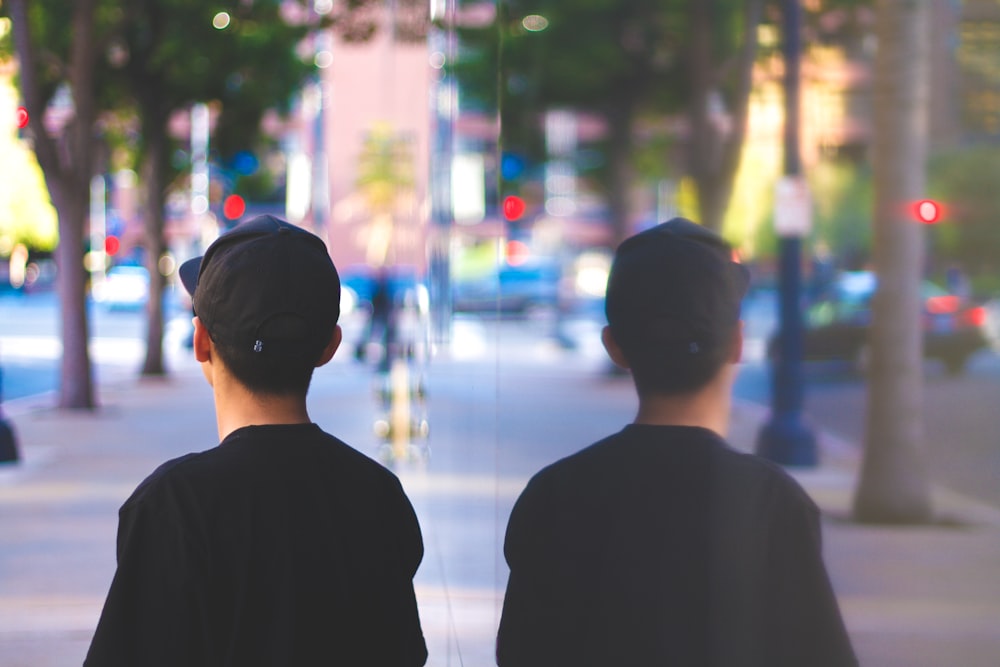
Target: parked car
836	325
510	289
124	287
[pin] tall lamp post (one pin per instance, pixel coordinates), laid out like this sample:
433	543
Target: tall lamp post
784	438
443	167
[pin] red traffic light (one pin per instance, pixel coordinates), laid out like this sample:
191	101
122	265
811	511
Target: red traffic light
928	211
112	244
234	207
513	207
22	118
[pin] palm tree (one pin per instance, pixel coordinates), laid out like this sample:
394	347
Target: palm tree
385	182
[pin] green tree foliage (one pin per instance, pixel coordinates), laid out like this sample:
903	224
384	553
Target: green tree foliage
842	207
639	63
26	213
968	236
626	61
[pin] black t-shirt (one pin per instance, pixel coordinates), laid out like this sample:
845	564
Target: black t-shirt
660	545
281	546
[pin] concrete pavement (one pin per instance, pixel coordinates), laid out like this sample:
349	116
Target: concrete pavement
924	595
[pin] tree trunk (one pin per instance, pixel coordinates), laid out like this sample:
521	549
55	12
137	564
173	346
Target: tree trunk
620	118
66	162
717	134
76	386
154	177
894	485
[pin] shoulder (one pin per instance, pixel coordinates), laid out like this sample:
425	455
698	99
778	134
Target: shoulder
753	494
595	455
577	480
634	453
329	459
357	464
751	475
595	459
166	477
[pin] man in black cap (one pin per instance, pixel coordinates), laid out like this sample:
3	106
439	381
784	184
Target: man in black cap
660	545
282	545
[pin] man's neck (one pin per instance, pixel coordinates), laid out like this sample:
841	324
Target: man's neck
235	407
707	408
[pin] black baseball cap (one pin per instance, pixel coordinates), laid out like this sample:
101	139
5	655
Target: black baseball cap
267	285
675	288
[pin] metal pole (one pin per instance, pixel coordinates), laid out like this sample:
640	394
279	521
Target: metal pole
443	152
784	438
98	228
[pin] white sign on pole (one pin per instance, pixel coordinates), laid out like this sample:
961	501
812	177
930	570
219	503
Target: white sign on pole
468	188
792	207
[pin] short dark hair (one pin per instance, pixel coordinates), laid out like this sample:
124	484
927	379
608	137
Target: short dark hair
673	305
656	372
270	375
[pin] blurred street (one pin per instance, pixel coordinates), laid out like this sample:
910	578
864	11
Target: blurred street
961	421
503	400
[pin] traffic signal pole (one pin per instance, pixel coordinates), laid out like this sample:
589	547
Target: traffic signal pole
784	438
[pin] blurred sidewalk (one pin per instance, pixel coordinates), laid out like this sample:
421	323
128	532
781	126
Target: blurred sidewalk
913	596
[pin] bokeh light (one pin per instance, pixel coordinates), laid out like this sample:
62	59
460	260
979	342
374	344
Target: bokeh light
535	23
323	59
234	207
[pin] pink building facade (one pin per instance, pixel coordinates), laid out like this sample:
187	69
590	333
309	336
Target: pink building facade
377	91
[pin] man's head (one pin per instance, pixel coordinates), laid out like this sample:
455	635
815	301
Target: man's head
673	305
268	294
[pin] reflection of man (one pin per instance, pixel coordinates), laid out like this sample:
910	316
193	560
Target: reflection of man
381	325
282	545
660	545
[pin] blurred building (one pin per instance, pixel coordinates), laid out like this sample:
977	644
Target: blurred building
963	91
376	137
972	85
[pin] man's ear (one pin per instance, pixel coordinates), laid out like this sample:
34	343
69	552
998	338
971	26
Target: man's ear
201	342
612	348
335	339
736	349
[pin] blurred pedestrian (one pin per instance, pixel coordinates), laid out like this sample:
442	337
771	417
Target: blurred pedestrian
661	545
381	324
282	545
958	282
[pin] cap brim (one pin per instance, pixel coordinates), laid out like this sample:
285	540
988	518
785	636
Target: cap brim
743	278
189	274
